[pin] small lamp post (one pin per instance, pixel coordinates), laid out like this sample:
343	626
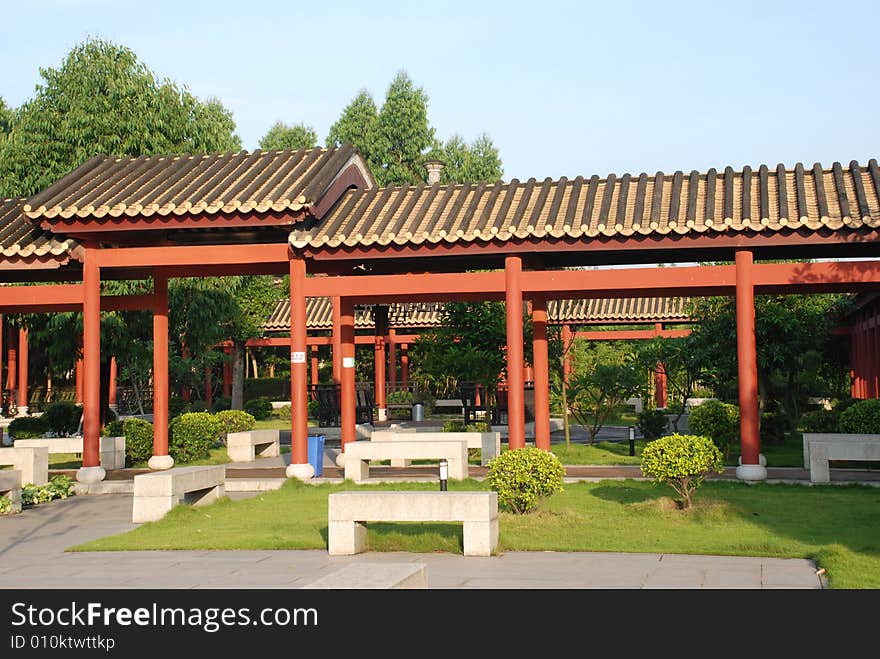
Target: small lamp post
444	474
632	440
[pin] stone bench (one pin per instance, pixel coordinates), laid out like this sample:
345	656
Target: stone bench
111	449
821	448
489	443
349	512
358	455
157	493
10	486
32	462
374	575
249	445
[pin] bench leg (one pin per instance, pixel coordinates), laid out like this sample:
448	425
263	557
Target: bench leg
480	538
819	466
270	450
150	509
400	462
206	496
458	468
346	538
357	470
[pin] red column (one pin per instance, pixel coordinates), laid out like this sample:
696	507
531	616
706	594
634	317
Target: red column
112	392
160	459
347	393
567	339
381	325
541	373
746	354
404	363
227	373
392	356
314	379
1	351
299	418
91	361
22	370
78	377
336	357
516	430
660	385
861	371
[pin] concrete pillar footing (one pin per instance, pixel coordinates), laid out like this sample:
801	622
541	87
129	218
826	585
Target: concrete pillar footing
89	475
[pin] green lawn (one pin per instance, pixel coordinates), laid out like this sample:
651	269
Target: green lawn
834	525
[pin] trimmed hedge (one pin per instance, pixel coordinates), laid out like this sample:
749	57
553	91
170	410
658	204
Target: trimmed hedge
682	461
62	418
861	417
138	440
27	427
652	423
234	421
259	408
523	477
192	435
718	421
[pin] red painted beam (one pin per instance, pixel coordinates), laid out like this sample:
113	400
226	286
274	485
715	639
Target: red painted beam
631	335
361	340
193	255
153	222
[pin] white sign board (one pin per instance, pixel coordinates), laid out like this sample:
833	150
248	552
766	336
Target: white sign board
348	362
297	357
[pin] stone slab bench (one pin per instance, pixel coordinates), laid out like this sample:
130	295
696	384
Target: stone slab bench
489	443
32	462
10	486
349	513
358	455
249	445
111	449
374	575
821	448
158	492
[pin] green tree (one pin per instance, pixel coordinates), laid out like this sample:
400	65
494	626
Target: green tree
357	125
605	376
463	162
103	100
6	117
281	137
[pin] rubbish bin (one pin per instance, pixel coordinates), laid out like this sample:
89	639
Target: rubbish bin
418	413
316	453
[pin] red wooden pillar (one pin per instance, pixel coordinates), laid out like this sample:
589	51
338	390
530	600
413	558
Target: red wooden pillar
404	363
381	326
12	362
567	339
541	373
227	373
392	356
347	384
111	400
209	386
22	371
91	470
299	419
660	385
747	368
336	357
314	379
160	459
516	423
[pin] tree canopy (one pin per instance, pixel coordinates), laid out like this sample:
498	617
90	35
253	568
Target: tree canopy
103	100
281	137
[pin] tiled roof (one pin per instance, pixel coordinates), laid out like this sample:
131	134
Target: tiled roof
319	313
761	200
19	238
108	187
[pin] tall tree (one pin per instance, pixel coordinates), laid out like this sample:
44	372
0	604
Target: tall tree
104	100
281	137
397	138
6	116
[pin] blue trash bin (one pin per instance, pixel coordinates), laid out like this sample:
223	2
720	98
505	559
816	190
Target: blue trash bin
316	453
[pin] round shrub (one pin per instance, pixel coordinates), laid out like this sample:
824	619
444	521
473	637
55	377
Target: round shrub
652	423
62	418
177	406
682	461
259	408
522	477
27	427
222	403
862	417
191	436
138	440
717	421
5	505
198	406
820	420
115	428
234	421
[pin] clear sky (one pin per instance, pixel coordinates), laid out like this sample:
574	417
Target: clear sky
562	88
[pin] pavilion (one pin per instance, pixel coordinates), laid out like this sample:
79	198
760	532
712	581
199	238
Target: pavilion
318	216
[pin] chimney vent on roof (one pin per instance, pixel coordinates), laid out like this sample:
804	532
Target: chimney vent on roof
434	167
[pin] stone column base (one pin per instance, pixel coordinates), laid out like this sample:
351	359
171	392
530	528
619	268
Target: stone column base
303	472
761	460
340	459
751	473
161	462
89	475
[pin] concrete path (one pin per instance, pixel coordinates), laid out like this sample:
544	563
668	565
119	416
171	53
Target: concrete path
32	556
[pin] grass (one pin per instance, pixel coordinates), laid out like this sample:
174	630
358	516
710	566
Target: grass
834	525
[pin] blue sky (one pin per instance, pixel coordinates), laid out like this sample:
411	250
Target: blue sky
562	88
